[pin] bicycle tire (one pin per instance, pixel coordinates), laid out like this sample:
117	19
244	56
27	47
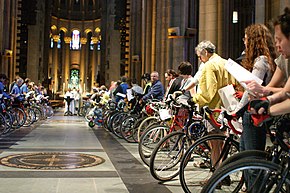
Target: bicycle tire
3	124
136	125
30	117
9	121
166	156
38	113
149	140
256	154
196	166
143	125
127	128
234	172
20	116
116	122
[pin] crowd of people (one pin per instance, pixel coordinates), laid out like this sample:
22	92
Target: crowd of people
265	55
19	88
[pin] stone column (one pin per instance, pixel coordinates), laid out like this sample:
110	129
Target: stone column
66	59
56	76
208	21
84	66
147	35
153	35
95	58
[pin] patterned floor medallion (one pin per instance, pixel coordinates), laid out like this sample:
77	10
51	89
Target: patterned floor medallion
51	160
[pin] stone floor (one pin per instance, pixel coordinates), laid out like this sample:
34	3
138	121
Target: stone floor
95	161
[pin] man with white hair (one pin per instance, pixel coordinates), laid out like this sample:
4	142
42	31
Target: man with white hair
213	77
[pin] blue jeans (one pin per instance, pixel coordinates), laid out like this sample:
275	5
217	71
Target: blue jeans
252	138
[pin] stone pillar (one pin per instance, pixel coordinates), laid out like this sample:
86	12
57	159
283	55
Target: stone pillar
147	42
260	12
55	74
208	21
66	60
95	58
84	65
153	35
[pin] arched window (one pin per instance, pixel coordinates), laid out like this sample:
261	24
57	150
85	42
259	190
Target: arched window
89	38
51	41
75	40
60	40
99	45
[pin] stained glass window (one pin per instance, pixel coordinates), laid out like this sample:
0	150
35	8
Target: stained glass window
51	42
59	43
75	42
74	78
91	45
99	45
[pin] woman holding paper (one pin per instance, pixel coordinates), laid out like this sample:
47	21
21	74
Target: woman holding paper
280	100
254	134
259	59
259	55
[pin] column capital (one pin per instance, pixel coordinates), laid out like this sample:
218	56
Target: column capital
84	40
67	40
55	38
95	40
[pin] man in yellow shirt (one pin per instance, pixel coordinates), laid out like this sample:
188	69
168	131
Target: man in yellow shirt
214	76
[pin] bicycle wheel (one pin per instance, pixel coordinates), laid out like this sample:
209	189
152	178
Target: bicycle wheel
256	154
106	119
38	113
9	121
20	116
30	117
3	124
136	125
111	118
234	172
127	127
143	126
166	157
201	159
117	123
149	140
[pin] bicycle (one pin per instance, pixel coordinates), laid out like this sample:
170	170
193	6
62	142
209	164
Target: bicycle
166	156
269	171
205	155
153	134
